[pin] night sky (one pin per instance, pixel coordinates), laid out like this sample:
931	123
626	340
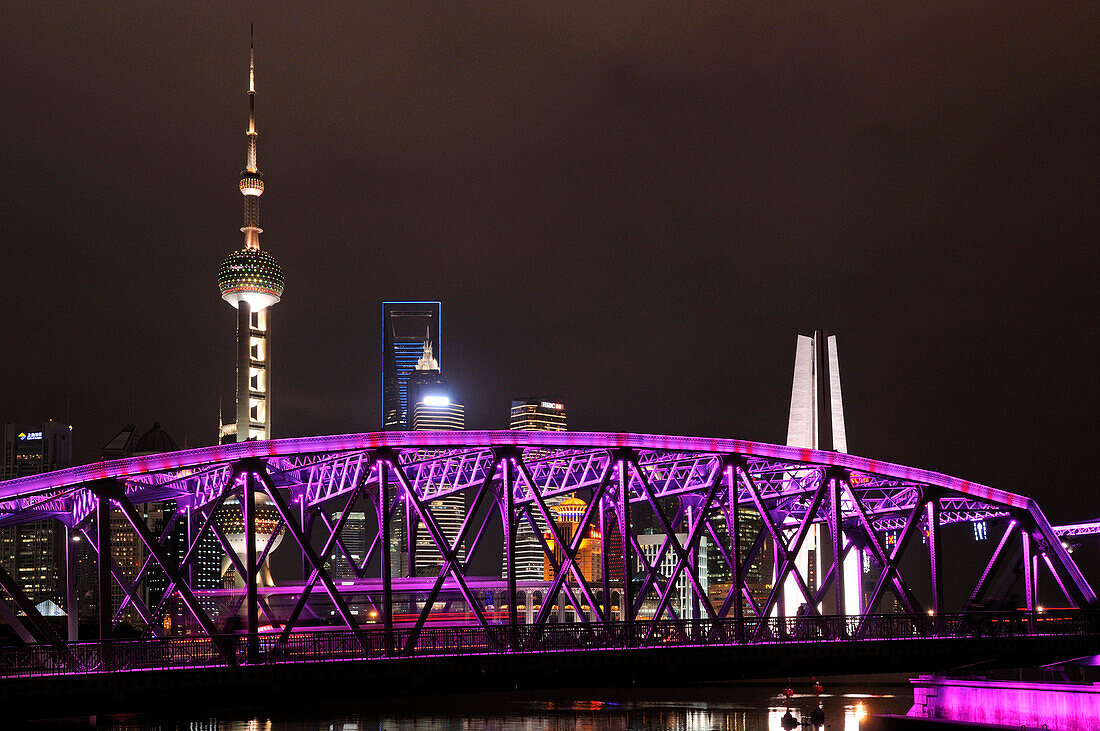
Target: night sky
633	206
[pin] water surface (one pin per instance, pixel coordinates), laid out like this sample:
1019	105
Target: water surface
709	708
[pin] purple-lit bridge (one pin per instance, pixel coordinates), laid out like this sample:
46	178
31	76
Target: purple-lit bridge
625	572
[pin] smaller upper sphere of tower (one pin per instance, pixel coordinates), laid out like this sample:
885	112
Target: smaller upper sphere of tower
252	276
252	183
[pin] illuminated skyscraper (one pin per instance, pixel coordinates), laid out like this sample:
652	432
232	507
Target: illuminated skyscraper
251	280
433	408
404	325
537	414
431	403
33	552
534	414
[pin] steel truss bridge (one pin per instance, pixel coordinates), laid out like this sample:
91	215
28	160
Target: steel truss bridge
634	487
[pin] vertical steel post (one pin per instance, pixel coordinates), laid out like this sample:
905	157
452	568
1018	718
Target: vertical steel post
509	516
306	531
780	587
605	559
385	567
1029	575
248	506
692	515
71	594
837	538
933	517
103	566
189	570
628	568
733	528
411	527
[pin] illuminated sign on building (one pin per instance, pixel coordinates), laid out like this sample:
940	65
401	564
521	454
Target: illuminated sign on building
30	436
552	405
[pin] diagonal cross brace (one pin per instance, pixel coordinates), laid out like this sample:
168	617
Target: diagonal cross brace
169	567
307	549
451	563
891	565
315	574
683	563
569	548
129	588
207	512
1069	576
43	632
979	589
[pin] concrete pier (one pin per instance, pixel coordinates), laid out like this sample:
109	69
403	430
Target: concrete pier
1013	703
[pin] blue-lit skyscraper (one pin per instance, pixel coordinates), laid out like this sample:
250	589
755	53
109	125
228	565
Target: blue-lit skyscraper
404	328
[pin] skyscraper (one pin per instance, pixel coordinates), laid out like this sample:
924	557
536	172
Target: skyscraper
33	552
251	280
404	325
546	413
537	414
433	408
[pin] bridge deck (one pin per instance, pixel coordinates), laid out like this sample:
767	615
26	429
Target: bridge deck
181	653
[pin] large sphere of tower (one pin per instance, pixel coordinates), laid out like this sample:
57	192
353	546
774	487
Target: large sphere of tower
252	276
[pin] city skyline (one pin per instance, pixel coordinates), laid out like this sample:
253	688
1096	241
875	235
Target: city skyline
645	241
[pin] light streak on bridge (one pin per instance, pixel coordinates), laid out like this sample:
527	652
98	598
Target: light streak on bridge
891	515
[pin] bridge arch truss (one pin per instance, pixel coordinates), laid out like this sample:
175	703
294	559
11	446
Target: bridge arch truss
651	508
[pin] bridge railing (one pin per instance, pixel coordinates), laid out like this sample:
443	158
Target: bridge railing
322	646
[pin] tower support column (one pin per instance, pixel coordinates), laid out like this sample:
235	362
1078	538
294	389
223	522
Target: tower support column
244	335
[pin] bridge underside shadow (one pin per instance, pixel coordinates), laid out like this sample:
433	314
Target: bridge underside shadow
367	682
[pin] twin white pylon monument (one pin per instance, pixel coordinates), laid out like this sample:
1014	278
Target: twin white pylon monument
251	280
817	422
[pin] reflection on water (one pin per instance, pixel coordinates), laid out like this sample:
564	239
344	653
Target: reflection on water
672	709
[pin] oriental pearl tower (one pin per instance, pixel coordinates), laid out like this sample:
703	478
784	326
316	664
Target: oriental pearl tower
251	280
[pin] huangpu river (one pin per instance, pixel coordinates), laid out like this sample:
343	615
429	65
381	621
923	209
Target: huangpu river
704	708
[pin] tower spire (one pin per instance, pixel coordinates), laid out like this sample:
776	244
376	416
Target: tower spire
252	183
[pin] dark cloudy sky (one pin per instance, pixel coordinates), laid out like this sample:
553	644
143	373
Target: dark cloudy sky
636	206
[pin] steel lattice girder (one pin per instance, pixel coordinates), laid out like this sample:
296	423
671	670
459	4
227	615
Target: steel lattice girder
791	489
